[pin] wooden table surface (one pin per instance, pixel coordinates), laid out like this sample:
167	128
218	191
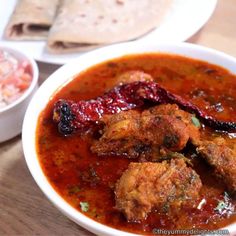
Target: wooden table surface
24	210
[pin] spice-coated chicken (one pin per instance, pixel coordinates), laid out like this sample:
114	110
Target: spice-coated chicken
144	134
161	186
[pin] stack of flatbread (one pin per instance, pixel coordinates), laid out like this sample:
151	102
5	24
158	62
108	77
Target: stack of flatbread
79	25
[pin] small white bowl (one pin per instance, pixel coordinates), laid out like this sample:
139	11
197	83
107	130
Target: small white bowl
12	115
65	74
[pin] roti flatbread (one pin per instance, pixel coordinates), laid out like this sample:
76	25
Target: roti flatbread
82	24
31	19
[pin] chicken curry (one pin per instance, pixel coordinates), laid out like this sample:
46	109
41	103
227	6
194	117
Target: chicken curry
144	142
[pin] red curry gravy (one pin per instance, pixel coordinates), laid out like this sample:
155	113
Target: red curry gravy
87	181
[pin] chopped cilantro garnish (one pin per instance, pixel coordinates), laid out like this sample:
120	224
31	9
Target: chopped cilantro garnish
74	189
225	206
195	121
221	206
84	206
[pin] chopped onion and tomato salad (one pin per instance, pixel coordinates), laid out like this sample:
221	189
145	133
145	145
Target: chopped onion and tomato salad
15	77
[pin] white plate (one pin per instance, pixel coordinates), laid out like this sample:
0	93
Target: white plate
183	20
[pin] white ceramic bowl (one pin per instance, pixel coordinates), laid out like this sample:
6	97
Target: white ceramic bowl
66	73
11	116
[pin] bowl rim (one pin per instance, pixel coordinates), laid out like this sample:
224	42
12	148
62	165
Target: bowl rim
55	82
35	76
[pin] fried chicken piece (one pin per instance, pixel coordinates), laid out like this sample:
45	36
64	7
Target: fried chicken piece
164	130
187	118
133	76
160	186
222	159
134	134
121	125
119	136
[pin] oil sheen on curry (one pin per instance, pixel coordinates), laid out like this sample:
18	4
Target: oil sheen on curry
144	142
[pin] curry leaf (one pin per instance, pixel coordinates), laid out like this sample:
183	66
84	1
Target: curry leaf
84	206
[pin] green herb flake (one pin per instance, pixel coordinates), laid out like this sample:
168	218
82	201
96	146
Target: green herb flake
166	207
84	206
225	206
221	206
195	121
74	189
93	213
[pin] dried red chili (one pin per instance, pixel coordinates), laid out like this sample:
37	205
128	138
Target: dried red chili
80	116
